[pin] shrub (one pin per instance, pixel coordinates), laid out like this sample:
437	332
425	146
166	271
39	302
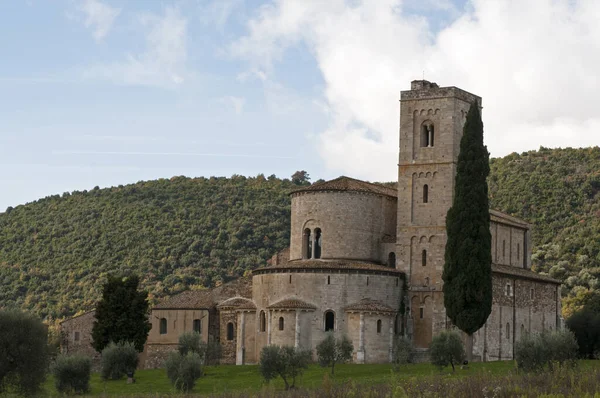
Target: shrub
190	342
285	362
23	352
72	374
331	351
212	353
585	325
539	351
184	370
446	349
118	360
403	352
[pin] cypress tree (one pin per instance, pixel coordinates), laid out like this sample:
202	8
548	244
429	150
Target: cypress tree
121	314
467	271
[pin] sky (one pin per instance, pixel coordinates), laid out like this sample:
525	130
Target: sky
109	92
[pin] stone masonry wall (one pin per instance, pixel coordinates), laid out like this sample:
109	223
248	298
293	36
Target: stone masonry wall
342	290
352	224
76	336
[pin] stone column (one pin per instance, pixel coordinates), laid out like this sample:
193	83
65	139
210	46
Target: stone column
240	342
360	354
297	337
430	133
391	354
269	327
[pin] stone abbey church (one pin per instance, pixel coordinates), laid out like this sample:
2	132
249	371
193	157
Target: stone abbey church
365	261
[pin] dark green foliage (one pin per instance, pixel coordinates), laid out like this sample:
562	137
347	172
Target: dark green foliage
285	362
331	351
118	360
467	271
300	178
184	370
403	352
585	325
72	374
23	352
212	353
56	253
446	349
538	352
121	314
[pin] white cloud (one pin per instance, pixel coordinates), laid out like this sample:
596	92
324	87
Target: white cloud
233	102
534	63
98	16
162	63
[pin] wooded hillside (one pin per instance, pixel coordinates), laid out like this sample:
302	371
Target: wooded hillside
55	253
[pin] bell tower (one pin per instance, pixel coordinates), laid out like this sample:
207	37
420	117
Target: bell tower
431	124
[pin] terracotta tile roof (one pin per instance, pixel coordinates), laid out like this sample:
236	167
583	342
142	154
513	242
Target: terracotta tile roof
522	273
501	217
368	305
237	303
328	265
349	184
206	299
291	303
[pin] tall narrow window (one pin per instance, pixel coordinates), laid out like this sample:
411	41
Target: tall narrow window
197	325
531	293
427	135
421	311
425	193
318	239
392	260
328	280
508	289
379	326
281	323
307	243
230	331
163	326
329	321
508	331
424	258
263	321
290	278
518	252
76	336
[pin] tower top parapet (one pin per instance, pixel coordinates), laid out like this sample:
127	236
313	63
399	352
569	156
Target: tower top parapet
424	89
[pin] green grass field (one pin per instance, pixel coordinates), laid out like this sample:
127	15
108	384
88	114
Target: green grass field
239	379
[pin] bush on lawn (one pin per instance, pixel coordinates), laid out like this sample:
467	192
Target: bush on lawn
184	370
446	349
72	374
118	360
23	352
285	362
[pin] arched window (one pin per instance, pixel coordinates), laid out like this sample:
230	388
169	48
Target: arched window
329	321
427	135
379	326
424	258
425	193
307	243
197	325
392	260
508	331
163	326
421	312
318	239
230	331
508	289
281	323
262	321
